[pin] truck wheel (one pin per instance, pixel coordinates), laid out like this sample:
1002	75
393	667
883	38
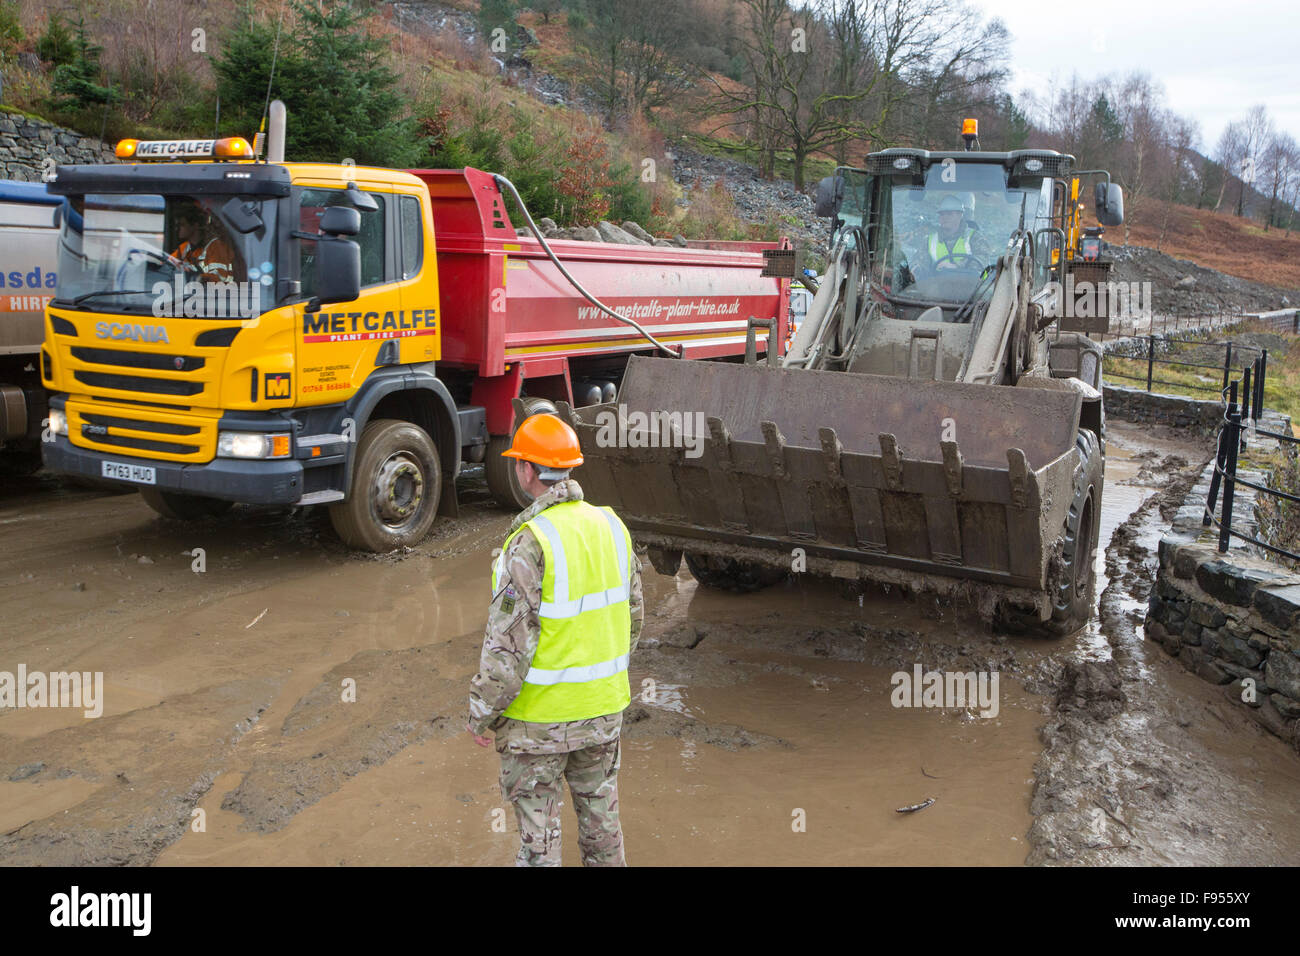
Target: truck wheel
728	574
178	507
501	471
396	484
1074	583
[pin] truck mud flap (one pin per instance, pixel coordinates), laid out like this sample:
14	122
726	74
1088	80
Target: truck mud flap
963	481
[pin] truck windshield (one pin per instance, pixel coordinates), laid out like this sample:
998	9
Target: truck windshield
166	256
936	242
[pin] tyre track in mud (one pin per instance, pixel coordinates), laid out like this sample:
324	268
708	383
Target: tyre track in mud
1143	763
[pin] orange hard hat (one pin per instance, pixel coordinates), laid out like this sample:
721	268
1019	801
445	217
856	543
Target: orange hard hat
547	441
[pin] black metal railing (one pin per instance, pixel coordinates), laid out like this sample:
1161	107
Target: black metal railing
1233	353
1231	439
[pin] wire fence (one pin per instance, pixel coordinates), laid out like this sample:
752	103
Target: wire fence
1155	349
1231	439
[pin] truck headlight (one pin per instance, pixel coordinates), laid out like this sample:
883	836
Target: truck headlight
58	421
252	445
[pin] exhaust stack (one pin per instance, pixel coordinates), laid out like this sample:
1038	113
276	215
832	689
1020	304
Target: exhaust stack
275	141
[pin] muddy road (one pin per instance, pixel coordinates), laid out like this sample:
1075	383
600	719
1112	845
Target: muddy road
761	731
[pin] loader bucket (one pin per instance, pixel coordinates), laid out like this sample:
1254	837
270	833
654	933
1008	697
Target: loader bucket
753	462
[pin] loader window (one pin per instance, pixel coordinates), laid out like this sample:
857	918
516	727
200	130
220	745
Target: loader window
951	231
312	203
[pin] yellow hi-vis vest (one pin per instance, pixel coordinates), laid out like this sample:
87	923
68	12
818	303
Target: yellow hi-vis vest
960	246
579	670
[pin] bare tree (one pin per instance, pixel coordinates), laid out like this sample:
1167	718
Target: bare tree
832	72
628	53
1228	153
1256	131
1145	144
1182	136
1281	157
802	77
967	64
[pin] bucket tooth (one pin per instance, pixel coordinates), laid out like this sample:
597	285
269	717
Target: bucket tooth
775	442
796	506
890	462
670	436
1018	472
952	462
832	451
730	499
721	442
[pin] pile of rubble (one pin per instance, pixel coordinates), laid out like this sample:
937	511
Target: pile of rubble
629	234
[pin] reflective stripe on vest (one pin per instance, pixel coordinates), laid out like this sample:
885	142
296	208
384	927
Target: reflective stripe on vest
562	607
960	246
579	675
579	669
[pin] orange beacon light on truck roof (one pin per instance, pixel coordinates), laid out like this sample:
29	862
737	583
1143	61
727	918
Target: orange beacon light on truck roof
229	147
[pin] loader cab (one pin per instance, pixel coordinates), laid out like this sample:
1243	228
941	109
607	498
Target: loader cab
935	225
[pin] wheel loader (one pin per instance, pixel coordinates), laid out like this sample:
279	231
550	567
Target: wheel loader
936	422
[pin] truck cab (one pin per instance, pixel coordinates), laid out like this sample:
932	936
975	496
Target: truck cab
227	330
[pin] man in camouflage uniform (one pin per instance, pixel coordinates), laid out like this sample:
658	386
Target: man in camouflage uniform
535	756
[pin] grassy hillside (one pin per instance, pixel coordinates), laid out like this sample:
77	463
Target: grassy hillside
1221	241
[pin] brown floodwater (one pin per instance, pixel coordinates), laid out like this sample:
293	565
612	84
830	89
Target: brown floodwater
762	729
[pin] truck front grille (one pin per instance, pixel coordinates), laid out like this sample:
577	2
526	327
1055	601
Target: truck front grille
98	428
145	360
137	383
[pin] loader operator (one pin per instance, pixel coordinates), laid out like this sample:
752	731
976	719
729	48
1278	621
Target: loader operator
552	683
954	245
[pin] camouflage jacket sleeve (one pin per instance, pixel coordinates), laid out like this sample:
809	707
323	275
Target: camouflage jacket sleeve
636	600
513	630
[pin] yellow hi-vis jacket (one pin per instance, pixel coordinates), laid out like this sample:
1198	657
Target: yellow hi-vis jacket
959	247
579	669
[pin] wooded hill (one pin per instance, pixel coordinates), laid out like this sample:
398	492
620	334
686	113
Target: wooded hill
791	88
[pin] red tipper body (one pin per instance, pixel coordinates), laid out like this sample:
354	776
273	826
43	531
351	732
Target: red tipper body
510	317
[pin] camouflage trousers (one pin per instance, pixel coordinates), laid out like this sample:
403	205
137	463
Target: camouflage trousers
533	784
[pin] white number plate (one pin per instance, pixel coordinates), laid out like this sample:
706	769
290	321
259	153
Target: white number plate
121	471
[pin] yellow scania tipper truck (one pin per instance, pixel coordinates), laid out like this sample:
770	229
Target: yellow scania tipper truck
227	329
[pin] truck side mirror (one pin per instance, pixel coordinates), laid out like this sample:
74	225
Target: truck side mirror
360	200
830	193
338	267
340	221
241	215
1109	202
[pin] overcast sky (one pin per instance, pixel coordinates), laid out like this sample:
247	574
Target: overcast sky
1215	60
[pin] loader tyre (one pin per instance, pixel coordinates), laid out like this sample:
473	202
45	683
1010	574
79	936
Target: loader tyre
1075	582
500	472
396	485
184	507
728	574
